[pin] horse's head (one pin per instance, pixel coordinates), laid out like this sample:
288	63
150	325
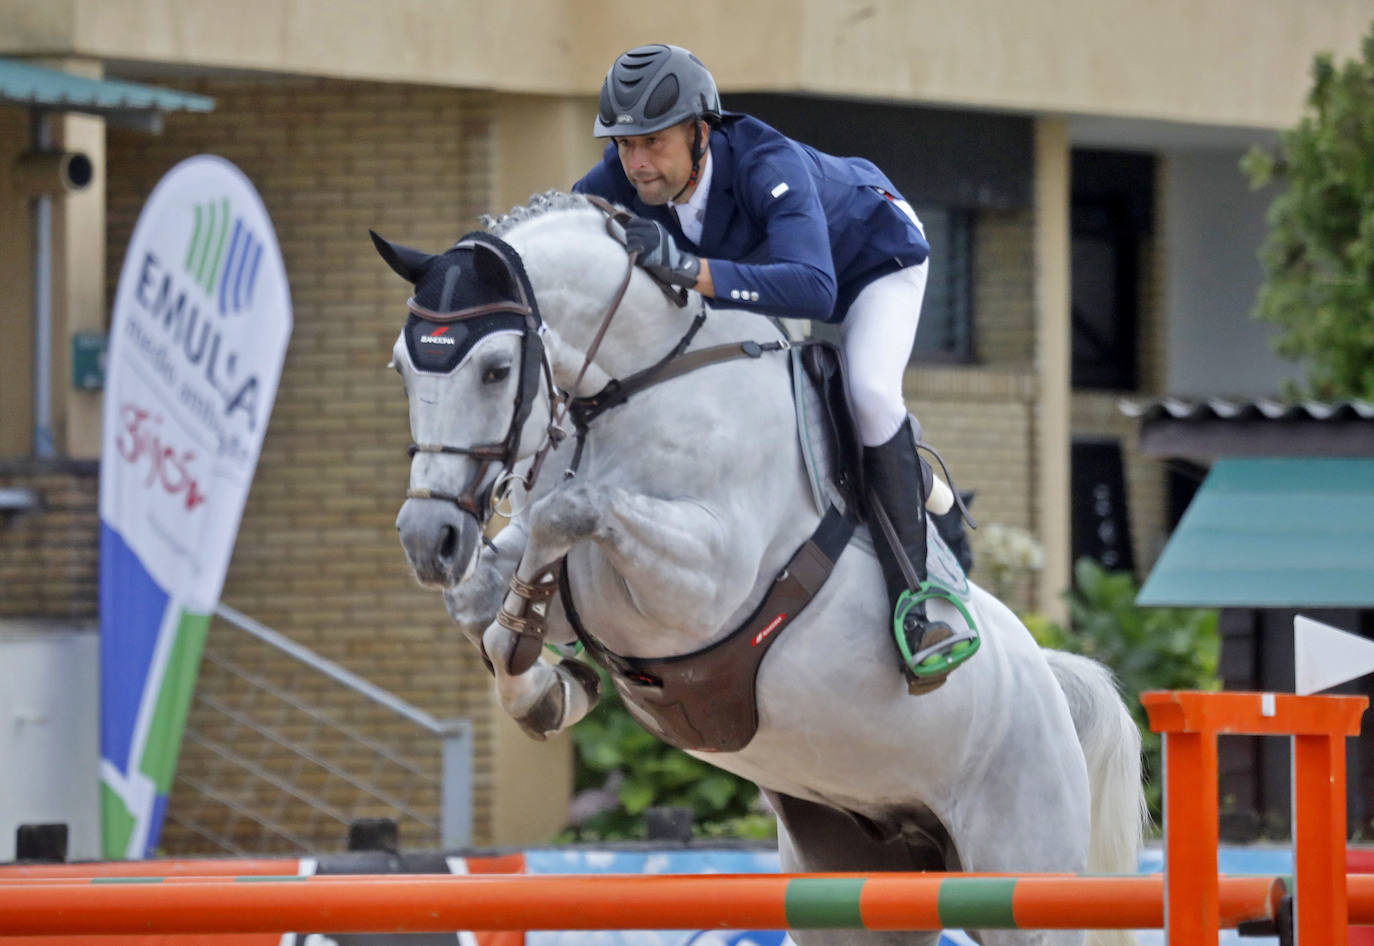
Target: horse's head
476	377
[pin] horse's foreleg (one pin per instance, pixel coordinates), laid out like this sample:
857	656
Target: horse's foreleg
545	698
669	552
473	603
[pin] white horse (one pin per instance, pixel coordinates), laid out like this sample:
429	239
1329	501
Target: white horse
687	503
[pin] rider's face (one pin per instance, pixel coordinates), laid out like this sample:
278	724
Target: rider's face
658	164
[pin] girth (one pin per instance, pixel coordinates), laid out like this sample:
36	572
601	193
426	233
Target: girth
706	700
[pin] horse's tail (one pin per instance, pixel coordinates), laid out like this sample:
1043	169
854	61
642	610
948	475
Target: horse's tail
1111	748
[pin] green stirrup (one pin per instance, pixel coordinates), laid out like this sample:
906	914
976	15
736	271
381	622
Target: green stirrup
941	657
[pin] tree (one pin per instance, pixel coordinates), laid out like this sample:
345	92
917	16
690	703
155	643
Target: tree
1318	257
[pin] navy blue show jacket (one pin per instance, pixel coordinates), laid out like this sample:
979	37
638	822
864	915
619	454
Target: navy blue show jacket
789	230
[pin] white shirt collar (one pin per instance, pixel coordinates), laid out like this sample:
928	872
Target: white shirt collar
692	214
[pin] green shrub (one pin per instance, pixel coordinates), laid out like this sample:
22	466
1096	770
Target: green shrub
1318	256
1147	648
653	773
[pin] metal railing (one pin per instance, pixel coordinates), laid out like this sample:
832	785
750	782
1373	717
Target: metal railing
284	749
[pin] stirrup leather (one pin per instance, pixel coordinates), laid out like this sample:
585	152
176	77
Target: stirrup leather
942	656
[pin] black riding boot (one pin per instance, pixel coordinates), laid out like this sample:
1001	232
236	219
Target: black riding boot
893	471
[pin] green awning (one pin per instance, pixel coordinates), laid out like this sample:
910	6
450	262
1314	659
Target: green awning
124	103
1273	532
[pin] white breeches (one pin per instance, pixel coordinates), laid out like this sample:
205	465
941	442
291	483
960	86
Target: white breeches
876	337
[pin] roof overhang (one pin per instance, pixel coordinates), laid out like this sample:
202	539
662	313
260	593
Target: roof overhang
1205	430
1273	532
128	104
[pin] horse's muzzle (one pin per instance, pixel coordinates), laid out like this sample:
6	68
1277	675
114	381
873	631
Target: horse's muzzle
439	539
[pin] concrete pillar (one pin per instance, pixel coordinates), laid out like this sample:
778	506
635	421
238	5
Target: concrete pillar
78	287
77	283
1052	361
531	782
16	303
541	142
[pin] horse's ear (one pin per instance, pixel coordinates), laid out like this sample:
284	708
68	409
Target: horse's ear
492	271
410	265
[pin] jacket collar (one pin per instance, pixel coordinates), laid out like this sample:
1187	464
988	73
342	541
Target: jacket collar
720	201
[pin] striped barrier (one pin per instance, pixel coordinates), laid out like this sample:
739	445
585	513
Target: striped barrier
391	903
1190	901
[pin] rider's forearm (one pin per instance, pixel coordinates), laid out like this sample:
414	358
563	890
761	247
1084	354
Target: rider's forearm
793	289
704	284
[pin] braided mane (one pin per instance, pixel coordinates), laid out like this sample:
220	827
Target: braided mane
539	205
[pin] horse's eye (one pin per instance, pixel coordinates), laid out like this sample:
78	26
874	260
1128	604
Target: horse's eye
496	373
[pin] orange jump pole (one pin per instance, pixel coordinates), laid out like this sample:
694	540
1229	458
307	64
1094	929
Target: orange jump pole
439	903
1318	725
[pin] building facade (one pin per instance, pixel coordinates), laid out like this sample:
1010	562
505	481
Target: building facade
1074	162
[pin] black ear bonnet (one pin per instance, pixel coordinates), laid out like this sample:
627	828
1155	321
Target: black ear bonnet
474	289
479	271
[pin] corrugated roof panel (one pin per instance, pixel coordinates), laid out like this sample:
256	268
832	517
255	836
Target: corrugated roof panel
37	87
1226	409
1273	532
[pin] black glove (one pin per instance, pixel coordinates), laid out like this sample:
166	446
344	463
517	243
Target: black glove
659	254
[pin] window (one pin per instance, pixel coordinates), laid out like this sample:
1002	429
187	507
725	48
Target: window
945	332
1100	514
1113	197
946	329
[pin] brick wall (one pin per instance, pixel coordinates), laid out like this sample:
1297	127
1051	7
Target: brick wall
317	556
981	421
1004	288
49	556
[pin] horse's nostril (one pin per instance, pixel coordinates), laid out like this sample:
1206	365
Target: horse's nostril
449	544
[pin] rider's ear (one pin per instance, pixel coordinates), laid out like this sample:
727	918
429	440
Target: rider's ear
492	271
409	264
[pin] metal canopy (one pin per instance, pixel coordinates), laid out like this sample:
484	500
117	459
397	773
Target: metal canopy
121	103
1203	430
1273	532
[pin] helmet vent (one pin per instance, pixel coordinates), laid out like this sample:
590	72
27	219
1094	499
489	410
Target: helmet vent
663	98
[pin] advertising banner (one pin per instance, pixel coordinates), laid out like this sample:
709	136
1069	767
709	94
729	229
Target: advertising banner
199	330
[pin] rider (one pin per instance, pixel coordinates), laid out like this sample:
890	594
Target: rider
732	208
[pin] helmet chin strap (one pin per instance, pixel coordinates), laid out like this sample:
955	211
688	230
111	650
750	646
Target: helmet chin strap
698	152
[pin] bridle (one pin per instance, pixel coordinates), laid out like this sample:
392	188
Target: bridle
476	499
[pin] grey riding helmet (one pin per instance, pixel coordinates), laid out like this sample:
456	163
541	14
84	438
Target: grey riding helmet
651	88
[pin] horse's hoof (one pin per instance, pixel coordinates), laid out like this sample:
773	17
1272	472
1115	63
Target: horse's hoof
545	716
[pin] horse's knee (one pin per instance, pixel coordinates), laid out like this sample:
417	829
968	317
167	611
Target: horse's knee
564	517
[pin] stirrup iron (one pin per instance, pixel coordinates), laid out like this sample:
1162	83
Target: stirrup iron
933	662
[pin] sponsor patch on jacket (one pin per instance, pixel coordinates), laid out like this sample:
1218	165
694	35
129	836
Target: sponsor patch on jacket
780	190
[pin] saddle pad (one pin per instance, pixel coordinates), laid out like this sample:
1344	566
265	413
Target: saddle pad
816	438
941	565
